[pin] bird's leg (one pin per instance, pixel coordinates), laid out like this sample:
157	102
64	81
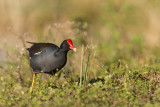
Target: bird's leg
34	75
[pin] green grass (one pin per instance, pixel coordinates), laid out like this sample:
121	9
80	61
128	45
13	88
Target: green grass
116	86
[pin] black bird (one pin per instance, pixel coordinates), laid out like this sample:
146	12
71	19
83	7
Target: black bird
48	58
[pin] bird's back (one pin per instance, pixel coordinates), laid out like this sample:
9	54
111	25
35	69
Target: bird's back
38	47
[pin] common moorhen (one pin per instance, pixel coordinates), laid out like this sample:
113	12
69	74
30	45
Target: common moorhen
48	58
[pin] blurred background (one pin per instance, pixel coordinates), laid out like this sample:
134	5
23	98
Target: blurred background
119	40
112	30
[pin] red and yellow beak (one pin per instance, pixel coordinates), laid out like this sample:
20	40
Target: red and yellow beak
71	45
72	48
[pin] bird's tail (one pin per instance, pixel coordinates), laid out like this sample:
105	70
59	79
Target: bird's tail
31	42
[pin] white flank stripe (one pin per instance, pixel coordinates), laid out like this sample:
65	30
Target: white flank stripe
37	53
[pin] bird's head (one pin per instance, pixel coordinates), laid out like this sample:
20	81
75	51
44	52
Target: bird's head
67	45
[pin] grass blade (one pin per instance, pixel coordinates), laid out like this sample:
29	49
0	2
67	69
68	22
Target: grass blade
82	60
86	69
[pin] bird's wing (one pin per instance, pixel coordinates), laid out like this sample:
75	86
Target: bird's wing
38	47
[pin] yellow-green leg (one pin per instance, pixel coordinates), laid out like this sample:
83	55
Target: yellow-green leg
31	89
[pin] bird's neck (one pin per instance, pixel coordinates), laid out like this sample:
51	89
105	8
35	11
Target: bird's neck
62	51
